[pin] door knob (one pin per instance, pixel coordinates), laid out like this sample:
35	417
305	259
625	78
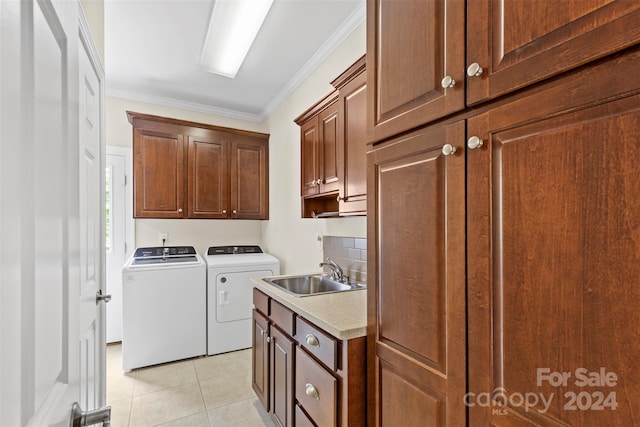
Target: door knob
447	82
448	149
100	297
474	142
474	70
80	418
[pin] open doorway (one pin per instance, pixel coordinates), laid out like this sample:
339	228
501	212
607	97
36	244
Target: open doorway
119	232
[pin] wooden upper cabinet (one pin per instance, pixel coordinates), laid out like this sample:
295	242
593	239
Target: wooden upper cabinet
416	298
411	47
309	157
193	170
249	178
517	43
319	147
352	139
208	177
158	182
328	149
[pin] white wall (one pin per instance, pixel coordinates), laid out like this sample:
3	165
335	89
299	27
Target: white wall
94	12
198	233
287	236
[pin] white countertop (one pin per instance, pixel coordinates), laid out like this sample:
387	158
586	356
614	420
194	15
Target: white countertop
342	314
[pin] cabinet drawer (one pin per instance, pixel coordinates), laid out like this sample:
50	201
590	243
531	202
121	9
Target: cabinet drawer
261	302
301	419
316	389
317	342
283	317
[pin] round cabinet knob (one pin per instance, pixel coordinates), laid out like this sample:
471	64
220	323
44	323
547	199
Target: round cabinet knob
448	82
269	339
312	340
224	211
340	198
313	182
311	391
180	210
474	142
235	211
448	149
474	70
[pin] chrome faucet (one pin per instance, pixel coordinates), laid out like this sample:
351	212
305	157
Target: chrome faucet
336	270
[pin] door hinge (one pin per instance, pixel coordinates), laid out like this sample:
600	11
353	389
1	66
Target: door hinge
125	248
125	180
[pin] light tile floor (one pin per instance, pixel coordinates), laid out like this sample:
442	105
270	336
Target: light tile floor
212	391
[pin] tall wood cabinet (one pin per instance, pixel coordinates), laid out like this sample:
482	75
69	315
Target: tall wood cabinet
192	170
500	237
553	211
416	295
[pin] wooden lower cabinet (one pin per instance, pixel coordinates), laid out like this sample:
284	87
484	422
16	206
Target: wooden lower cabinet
260	358
292	384
282	354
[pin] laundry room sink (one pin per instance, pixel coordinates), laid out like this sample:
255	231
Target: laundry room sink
308	285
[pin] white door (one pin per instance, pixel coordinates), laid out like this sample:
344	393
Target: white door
45	299
91	201
116	242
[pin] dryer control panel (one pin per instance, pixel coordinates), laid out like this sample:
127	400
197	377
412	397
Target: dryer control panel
234	250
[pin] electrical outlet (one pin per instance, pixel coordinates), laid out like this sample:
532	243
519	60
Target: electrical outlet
163	238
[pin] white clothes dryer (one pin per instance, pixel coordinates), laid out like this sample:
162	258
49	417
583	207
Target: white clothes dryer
164	310
230	294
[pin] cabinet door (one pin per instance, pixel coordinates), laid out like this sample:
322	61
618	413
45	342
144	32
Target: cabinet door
328	149
352	146
553	262
411	47
158	175
249	178
517	43
282	401
309	160
208	181
260	354
416	299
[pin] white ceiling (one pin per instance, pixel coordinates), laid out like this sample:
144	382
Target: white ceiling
152	49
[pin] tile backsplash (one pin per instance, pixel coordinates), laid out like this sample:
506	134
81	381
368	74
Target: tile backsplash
350	253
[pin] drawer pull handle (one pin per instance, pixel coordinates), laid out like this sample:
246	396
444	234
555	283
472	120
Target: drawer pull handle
312	392
312	340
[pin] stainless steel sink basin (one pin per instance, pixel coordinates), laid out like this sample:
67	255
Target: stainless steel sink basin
315	284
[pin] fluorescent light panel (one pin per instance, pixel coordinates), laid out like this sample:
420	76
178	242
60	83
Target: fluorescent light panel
233	26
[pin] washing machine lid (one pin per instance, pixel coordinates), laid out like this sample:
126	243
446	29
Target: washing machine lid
165	255
232	256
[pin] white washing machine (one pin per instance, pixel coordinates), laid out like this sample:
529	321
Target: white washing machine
164	310
230	294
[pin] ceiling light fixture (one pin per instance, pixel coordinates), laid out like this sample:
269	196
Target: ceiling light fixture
233	26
